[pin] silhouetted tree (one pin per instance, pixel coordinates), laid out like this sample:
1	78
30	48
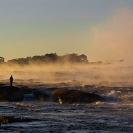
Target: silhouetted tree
51	58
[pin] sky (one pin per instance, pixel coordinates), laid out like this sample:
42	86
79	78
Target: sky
101	29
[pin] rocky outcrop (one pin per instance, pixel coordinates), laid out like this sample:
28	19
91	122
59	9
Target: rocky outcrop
10	94
26	90
60	95
40	95
64	96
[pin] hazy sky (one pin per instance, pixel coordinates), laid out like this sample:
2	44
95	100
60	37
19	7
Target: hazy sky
101	29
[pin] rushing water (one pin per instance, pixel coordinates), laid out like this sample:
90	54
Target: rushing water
113	115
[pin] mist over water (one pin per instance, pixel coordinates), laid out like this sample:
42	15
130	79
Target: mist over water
116	73
112	81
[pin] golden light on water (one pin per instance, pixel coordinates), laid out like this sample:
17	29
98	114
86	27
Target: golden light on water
60	101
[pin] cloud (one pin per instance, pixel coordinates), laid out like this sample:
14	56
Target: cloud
113	39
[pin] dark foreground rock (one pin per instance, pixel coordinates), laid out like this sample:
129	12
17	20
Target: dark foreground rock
12	119
10	94
64	96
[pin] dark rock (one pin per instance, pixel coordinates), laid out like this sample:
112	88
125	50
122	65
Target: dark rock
74	96
40	95
89	86
12	119
10	93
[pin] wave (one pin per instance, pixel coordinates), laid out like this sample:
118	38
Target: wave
118	96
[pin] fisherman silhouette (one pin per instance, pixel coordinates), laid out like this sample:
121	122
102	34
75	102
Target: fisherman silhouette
11	80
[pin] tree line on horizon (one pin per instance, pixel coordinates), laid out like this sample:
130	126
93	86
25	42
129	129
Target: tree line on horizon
51	58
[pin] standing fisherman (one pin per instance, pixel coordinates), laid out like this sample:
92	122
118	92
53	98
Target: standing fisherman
11	80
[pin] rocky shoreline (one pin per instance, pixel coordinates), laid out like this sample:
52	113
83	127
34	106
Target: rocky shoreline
59	95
